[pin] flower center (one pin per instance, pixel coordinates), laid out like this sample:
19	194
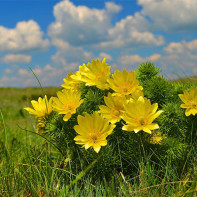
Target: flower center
94	136
142	120
116	113
125	88
70	106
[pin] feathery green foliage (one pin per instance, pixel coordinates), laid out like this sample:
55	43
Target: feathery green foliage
129	165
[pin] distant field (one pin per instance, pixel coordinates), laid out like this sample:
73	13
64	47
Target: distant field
186	80
12	102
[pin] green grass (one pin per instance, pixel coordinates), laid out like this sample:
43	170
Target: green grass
186	80
31	166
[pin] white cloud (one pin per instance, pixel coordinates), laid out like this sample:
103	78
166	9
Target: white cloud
23	72
130	39
137	59
154	57
48	67
174	47
106	56
82	26
16	58
171	15
67	53
130	59
179	59
26	36
192	45
182	54
8	71
48	76
38	70
112	7
181	47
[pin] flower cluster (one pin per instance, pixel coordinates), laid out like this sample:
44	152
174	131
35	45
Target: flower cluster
124	102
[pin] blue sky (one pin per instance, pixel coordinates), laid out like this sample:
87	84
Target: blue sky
54	37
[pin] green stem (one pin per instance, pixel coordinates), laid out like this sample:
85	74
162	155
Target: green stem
5	137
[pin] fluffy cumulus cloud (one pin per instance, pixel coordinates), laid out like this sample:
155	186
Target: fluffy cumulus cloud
182	47
80	34
136	59
82	26
106	56
16	58
67	54
178	59
130	39
182	55
23	77
171	15
25	36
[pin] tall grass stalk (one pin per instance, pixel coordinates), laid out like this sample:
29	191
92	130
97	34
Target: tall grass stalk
4	128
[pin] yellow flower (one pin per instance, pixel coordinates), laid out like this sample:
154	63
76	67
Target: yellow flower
139	115
135	95
190	101
67	103
124	83
156	138
70	83
93	130
79	75
42	107
96	74
114	109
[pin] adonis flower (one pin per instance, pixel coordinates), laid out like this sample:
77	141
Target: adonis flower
79	75
70	83
93	130
135	95
67	103
114	107
124	83
156	138
139	115
96	74
42	107
190	101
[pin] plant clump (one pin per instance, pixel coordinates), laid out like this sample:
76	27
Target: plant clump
118	118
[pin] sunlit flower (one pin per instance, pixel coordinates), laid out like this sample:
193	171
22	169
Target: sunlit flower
156	138
114	107
79	75
70	83
93	130
139	115
96	74
135	95
190	101
42	107
67	103
124	83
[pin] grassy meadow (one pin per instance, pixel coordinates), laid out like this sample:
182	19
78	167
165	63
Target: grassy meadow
31	166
